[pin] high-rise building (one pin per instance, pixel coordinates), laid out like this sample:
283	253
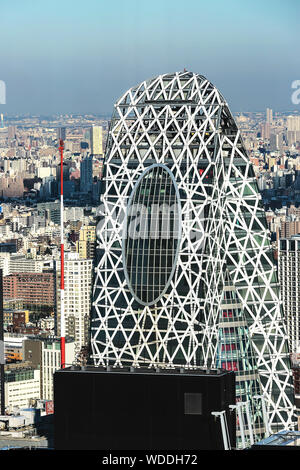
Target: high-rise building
77	298
61	133
185	275
86	174
293	129
269	114
96	140
293	123
32	288
289	275
11	133
265	130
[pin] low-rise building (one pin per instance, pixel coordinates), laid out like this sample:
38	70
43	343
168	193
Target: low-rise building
22	384
45	354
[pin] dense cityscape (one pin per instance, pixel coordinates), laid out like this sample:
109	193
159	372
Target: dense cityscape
149	229
30	242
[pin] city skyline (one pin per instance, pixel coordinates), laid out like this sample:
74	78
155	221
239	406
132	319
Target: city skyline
74	59
149	224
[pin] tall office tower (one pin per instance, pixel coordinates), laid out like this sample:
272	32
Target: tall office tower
77	298
293	129
61	133
96	140
289	275
265	130
269	114
11	134
86	174
185	275
2	357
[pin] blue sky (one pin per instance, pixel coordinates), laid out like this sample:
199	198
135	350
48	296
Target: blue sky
74	56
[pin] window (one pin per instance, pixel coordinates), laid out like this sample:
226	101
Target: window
193	403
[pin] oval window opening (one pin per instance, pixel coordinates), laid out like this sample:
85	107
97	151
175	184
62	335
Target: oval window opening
151	235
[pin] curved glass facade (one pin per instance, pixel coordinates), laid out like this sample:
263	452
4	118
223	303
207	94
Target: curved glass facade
152	235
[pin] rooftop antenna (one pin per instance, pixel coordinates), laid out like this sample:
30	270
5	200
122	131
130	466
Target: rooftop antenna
62	272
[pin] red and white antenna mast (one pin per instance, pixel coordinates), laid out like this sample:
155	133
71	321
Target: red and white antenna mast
62	267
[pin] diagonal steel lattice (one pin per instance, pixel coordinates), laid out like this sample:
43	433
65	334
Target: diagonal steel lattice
182	123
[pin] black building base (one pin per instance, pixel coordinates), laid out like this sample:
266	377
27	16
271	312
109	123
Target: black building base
141	409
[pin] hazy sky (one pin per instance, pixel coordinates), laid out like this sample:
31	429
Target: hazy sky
73	56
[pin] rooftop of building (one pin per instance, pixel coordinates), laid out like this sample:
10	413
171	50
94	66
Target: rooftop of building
282	438
145	370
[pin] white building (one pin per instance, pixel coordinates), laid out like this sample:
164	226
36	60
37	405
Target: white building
289	275
21	385
51	358
77	295
15	263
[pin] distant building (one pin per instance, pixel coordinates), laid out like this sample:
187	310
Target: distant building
50	210
12	186
13	347
16	263
61	133
11	132
289	228
96	140
86	244
269	115
86	174
33	288
44	353
15	317
46	323
22	384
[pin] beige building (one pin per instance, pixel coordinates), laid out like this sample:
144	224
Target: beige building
86	244
96	140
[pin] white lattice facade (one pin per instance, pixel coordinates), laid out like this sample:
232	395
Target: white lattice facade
174	139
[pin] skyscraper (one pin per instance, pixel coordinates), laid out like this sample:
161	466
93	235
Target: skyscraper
2	358
269	114
96	140
185	275
77	299
61	133
289	275
86	174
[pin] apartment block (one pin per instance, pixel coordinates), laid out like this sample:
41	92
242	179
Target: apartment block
289	275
